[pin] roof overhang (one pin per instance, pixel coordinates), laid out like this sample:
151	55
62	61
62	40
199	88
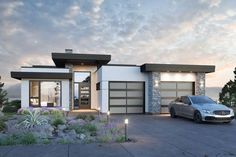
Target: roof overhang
177	68
60	59
40	75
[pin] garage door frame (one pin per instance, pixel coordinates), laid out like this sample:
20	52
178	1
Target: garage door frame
176	90
126	97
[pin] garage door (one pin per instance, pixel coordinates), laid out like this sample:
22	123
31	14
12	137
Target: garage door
171	90
126	97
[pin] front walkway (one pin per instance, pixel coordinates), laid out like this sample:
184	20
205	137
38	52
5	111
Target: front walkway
157	136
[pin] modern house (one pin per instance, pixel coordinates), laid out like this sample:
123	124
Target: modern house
88	81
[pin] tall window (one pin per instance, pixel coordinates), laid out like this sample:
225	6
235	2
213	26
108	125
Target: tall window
45	93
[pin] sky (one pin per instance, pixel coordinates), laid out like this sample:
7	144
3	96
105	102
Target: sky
132	31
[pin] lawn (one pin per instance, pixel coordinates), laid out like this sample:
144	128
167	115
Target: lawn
44	126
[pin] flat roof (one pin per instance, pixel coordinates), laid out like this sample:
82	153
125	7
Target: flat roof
177	68
60	59
40	75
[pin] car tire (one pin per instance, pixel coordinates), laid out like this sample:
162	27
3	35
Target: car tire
172	113
197	117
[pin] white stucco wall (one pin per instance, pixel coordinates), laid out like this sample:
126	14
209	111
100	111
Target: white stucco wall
118	73
24	93
65	100
184	77
52	70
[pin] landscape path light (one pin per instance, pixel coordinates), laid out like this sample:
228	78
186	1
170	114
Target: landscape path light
126	125
99	111
108	116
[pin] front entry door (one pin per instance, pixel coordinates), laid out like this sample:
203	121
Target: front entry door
82	90
84	95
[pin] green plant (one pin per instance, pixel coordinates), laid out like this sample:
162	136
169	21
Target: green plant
81	116
120	139
28	138
9	140
105	139
57	114
46	141
2	125
63	141
90	128
58	121
32	119
90	117
12	107
3	95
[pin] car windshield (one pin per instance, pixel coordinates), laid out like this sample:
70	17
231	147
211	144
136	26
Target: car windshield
201	100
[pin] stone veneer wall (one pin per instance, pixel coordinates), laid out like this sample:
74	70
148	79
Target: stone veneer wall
154	96
70	67
200	84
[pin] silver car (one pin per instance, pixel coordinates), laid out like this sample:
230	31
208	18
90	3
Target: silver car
200	108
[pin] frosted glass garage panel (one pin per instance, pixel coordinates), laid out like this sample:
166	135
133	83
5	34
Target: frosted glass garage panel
114	102
117	110
115	85
168	93
184	93
134	101
166	101
134	109
134	93
185	85
117	94
135	85
168	85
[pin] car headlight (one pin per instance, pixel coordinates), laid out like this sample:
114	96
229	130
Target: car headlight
206	111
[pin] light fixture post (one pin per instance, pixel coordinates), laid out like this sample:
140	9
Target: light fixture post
108	117
126	128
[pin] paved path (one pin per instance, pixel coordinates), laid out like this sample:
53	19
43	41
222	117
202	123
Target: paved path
155	136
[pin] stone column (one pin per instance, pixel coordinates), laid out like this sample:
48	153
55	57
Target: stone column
154	96
200	84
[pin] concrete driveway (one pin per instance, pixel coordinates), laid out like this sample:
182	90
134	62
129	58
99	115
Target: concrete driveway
157	136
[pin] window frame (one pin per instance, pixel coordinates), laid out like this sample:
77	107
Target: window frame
39	91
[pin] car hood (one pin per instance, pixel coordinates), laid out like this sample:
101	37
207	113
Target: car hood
211	107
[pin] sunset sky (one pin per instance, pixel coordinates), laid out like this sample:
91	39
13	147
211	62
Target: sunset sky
132	31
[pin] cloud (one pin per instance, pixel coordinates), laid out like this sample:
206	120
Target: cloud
11	6
211	3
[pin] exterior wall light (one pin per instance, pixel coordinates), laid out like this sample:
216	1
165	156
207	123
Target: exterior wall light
156	83
201	83
126	125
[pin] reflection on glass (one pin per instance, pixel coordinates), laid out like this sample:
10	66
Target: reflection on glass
81	77
76	95
34	93
50	94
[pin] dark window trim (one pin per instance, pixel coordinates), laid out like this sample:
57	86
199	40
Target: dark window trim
40	92
126	98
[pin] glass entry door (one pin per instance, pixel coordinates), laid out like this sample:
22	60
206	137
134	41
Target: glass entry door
82	90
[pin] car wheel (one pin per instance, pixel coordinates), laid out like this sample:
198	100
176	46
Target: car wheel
172	113
197	117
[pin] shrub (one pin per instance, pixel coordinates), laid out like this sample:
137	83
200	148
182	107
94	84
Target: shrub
120	139
91	117
9	140
81	116
63	141
105	139
2	125
58	121
46	141
12	106
32	119
57	114
91	128
28	138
